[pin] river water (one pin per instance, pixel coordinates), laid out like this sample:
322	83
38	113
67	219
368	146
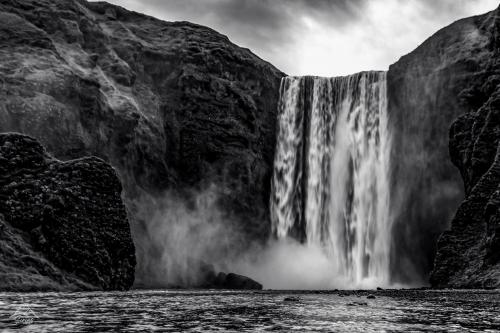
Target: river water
279	311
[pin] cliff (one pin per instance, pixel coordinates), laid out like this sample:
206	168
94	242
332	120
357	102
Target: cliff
63	224
469	254
453	73
172	106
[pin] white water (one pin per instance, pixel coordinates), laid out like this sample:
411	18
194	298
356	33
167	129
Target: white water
330	185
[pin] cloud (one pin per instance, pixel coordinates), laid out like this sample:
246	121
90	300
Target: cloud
320	37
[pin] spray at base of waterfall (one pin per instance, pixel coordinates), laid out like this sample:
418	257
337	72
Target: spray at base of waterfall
286	264
179	237
178	233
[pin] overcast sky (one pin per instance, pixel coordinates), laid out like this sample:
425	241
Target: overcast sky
319	37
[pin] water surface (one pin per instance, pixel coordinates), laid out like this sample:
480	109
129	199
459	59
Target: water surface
206	310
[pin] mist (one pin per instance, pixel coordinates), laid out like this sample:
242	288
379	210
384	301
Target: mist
287	264
182	238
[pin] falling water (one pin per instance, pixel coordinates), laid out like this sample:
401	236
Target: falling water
331	173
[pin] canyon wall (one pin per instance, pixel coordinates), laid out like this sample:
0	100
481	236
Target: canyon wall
469	254
452	74
176	107
172	106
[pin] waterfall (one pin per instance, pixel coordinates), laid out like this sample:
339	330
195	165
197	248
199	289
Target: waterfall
330	186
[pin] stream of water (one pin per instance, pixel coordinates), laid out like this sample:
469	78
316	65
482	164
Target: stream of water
278	311
331	182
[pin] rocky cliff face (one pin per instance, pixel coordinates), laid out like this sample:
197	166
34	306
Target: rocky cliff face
453	73
469	254
169	105
63	224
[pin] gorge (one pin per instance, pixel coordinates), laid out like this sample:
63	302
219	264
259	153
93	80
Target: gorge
221	155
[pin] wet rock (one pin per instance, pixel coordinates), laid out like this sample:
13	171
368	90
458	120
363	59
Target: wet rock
65	224
357	304
235	281
291	299
220	279
370	296
207	278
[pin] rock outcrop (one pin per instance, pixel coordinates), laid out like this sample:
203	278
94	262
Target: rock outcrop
453	73
469	254
208	278
205	276
172	106
63	224
236	281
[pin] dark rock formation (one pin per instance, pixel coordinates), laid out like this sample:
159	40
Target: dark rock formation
169	105
63	224
22	268
469	254
235	281
451	74
291	299
204	275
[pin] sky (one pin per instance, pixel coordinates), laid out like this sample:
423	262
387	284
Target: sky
319	37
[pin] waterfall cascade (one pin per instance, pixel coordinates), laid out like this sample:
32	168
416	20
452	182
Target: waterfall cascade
330	186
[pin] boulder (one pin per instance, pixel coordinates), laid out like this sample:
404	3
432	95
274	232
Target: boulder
235	281
64	225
